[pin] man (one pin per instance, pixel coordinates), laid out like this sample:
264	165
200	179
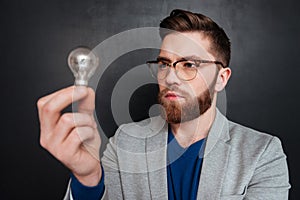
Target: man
191	151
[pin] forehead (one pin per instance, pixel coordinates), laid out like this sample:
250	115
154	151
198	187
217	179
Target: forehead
185	44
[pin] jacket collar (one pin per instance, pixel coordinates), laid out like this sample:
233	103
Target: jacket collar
214	162
215	159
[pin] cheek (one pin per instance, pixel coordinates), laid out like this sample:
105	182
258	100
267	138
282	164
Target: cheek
206	77
161	87
197	87
194	90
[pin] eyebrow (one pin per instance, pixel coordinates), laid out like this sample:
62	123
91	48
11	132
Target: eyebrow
161	58
192	57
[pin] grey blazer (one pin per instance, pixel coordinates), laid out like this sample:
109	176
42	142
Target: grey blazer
238	163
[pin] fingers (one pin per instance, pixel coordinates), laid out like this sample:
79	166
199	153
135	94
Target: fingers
90	140
69	121
87	104
85	133
78	136
65	135
42	101
51	106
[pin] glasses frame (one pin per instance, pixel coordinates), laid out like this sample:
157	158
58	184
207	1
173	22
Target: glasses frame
198	62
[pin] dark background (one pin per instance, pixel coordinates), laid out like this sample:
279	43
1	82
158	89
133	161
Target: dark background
36	37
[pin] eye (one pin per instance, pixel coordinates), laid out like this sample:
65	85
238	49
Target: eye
162	65
189	64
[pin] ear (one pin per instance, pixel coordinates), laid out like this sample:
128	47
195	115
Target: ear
222	79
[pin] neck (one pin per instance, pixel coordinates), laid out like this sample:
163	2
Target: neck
189	132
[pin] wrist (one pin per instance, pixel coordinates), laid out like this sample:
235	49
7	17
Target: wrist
91	179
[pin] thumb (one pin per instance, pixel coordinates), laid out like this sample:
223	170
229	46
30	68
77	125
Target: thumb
87	104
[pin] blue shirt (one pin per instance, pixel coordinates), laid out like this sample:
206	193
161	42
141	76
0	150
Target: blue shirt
80	191
184	167
183	173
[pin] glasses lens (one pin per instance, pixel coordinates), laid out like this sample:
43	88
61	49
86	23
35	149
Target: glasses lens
186	70
158	70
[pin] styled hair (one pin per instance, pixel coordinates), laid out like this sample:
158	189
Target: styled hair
186	21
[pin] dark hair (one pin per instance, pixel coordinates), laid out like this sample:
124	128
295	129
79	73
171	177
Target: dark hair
185	21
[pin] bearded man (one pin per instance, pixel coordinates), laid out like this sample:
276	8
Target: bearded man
190	151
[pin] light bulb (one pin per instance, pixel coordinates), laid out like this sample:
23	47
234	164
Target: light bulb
83	63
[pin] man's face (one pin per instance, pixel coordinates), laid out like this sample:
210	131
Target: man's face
186	100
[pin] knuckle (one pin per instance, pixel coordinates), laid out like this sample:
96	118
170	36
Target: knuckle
42	142
90	130
67	118
75	133
48	108
75	137
85	133
88	119
40	103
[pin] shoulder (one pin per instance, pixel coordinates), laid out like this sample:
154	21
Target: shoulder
257	160
238	131
142	128
135	133
252	142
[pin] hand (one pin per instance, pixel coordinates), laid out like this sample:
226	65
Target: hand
72	138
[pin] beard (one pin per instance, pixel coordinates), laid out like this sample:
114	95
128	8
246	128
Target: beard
175	112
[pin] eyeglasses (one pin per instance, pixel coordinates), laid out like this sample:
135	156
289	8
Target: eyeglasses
186	70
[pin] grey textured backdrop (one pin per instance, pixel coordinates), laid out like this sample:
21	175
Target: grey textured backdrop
36	37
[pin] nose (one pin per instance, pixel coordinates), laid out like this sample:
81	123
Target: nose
172	77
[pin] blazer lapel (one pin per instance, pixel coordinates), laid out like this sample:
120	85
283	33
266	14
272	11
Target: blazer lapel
214	164
215	160
156	151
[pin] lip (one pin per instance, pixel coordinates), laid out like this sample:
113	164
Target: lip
173	95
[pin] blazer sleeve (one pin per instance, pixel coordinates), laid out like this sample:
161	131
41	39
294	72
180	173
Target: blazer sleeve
112	180
270	179
68	195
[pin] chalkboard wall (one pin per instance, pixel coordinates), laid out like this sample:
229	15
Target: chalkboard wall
37	35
